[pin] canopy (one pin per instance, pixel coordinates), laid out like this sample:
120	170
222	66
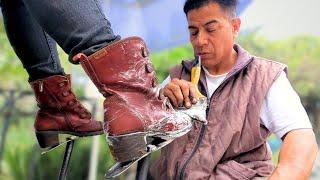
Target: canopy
161	23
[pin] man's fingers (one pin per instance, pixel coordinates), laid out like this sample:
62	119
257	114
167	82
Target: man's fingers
193	93
175	88
185	91
173	92
167	92
181	92
178	94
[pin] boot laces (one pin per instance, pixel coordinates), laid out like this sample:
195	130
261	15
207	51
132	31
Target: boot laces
74	103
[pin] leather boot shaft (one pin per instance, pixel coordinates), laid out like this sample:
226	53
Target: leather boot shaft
125	62
124	74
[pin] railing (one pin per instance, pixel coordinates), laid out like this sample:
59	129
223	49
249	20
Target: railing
7	109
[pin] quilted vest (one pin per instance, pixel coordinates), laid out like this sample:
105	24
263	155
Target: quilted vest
233	143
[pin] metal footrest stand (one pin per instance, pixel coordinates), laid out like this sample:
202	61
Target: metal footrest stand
66	160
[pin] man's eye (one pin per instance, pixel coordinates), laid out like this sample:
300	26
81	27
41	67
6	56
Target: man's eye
193	33
211	30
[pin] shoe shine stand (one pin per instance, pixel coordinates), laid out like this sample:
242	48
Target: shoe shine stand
142	168
66	160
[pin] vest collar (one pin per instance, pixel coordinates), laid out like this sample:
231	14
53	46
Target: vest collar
243	59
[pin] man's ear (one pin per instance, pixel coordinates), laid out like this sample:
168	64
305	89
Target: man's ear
236	23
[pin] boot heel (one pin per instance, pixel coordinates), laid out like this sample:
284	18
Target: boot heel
128	149
131	147
120	145
47	140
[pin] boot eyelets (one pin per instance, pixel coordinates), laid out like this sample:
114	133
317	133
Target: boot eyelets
149	68
145	52
82	116
77	109
82	111
71	103
66	93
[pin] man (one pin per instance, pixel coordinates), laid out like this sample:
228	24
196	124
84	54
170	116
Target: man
120	69
250	97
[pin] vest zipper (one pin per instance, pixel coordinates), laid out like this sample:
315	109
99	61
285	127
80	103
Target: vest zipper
203	127
202	130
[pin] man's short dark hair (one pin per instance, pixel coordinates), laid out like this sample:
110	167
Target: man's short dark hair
227	5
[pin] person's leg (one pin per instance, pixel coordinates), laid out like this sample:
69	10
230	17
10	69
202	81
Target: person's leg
81	28
34	47
59	109
77	26
120	70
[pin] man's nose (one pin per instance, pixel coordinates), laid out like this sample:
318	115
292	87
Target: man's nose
201	39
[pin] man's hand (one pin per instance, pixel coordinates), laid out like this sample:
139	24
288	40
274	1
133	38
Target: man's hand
181	92
297	155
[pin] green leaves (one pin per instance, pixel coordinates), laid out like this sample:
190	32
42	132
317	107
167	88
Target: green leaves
300	53
165	60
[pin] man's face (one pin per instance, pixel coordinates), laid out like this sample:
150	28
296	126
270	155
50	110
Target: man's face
212	33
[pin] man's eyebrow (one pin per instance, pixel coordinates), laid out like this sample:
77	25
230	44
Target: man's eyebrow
206	24
211	22
192	27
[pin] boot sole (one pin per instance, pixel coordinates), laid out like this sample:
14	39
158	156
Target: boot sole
48	139
139	143
129	148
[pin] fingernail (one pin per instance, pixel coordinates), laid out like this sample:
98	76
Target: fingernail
188	104
194	100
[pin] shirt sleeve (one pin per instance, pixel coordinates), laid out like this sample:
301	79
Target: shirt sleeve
282	110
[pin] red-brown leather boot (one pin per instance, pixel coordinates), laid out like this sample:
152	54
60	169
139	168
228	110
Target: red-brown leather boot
60	112
134	115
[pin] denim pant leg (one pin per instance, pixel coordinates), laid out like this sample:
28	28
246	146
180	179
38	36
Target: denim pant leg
76	25
36	50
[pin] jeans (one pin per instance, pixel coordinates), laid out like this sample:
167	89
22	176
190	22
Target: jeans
34	26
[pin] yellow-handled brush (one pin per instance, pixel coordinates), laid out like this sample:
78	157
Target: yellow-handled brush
195	75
